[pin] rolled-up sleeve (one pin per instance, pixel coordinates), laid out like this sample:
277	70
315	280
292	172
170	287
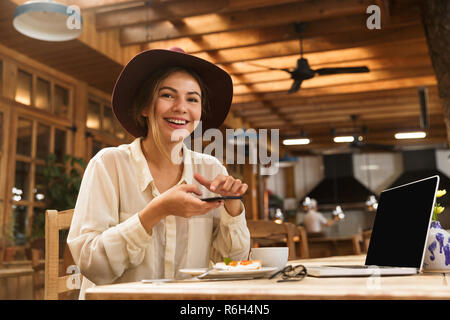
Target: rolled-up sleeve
102	246
231	237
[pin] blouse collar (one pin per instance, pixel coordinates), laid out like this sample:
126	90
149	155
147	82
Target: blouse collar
144	175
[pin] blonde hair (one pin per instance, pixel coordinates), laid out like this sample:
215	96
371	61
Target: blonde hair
146	97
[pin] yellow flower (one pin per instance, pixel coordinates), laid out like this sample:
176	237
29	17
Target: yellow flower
438	210
440	193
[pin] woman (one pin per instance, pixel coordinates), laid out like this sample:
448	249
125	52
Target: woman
138	214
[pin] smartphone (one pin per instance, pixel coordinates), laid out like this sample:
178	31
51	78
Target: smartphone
221	198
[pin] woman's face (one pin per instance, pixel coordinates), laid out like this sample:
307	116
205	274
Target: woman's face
178	105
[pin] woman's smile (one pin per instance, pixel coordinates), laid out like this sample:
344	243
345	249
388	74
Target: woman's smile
176	122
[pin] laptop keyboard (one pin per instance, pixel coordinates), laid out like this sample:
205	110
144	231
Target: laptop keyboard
358	267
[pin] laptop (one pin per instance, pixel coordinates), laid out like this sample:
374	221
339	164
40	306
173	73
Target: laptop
399	234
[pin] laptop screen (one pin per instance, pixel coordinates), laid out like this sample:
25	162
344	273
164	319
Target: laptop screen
401	224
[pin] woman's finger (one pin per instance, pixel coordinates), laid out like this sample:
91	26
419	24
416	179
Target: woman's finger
191	188
243	189
236	186
202	180
220	179
228	184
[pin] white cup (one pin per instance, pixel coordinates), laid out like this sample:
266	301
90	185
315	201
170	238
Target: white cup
271	256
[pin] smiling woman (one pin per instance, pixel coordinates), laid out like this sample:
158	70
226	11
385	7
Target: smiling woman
157	88
139	213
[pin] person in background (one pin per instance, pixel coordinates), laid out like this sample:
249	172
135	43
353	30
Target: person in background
314	221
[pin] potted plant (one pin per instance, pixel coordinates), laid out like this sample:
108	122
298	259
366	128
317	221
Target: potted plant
437	254
61	184
10	251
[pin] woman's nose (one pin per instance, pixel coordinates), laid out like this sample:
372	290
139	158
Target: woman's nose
180	105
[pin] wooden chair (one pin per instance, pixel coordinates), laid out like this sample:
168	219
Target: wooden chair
302	243
366	239
268	233
38	268
55	284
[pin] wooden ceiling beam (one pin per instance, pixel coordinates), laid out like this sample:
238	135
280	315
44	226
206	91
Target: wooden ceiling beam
411	82
375	64
318	107
433	108
268	16
401	48
360	97
263	35
152	13
96	5
354	107
346	127
317	44
334	80
399	114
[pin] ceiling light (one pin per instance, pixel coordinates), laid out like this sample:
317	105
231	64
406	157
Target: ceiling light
294	142
343	139
48	20
410	135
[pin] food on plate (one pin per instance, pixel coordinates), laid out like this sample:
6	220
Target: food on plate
229	264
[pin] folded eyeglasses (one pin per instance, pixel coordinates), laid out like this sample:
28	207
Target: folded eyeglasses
291	273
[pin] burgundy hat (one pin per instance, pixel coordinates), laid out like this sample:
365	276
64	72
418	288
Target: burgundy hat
138	69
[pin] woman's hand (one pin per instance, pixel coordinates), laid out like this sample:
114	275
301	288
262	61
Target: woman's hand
177	201
225	186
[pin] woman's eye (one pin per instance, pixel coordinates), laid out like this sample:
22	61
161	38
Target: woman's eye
193	100
166	95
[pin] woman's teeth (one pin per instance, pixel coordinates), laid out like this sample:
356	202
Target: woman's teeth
176	121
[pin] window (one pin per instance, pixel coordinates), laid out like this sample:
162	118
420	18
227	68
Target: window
93	115
23	88
43	94
61	101
42	100
35	140
103	128
24	128
100	117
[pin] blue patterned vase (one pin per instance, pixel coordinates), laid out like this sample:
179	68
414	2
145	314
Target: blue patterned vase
437	255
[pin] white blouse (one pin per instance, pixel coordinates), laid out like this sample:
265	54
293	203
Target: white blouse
109	243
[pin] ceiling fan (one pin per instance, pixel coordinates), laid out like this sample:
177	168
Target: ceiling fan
358	142
304	72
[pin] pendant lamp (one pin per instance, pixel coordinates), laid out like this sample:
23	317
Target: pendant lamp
48	20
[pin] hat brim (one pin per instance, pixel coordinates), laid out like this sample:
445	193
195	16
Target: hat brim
218	82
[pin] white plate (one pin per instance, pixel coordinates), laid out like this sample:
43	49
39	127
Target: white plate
230	273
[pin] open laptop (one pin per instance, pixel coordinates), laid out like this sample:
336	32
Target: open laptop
399	234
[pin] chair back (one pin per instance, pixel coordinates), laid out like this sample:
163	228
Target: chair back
366	239
268	233
302	243
55	284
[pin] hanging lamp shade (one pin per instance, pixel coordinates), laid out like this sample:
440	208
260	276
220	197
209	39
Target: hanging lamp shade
48	21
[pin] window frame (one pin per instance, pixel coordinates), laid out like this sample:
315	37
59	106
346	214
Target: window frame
35	74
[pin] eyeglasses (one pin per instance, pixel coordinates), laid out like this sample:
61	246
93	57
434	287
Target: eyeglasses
291	273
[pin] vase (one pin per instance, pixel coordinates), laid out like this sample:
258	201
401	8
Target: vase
437	254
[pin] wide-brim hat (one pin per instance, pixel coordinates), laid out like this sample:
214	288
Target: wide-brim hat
218	82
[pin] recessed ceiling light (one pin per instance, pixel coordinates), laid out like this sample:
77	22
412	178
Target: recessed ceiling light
410	135
340	139
293	142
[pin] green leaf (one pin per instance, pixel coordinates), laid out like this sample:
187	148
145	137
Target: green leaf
227	260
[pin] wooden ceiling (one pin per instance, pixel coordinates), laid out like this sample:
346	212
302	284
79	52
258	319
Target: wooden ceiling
247	38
